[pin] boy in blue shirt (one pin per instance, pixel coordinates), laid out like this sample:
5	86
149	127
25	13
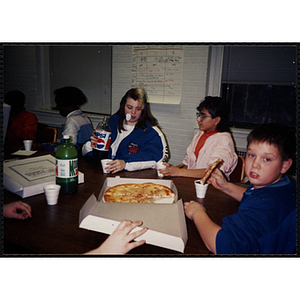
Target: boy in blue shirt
265	222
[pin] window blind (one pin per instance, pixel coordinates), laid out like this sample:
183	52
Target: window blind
259	64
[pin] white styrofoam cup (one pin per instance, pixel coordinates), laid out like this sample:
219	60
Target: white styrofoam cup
200	189
160	165
27	144
52	193
104	164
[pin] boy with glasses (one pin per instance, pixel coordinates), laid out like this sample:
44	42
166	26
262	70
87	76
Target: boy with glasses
213	141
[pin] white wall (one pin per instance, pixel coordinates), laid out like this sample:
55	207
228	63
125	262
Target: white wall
177	121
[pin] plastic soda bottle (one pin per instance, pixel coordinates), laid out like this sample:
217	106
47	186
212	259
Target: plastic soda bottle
67	166
103	135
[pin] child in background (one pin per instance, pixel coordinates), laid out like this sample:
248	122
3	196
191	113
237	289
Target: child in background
22	124
265	222
213	141
68	100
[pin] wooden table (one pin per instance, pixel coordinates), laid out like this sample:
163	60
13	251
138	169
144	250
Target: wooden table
54	230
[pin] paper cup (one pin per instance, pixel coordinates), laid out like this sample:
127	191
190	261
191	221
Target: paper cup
160	165
52	193
104	164
27	144
200	189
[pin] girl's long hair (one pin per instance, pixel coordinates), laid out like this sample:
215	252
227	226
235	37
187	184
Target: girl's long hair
140	95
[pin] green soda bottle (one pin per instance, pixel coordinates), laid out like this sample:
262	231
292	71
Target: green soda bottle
67	166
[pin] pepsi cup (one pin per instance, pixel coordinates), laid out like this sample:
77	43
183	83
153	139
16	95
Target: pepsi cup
103	140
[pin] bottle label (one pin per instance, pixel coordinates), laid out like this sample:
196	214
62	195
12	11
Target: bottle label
103	140
66	168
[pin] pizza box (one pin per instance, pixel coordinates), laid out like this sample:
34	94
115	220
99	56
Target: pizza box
166	221
27	177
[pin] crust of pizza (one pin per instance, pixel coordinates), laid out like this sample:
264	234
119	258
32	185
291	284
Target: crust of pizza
137	193
210	170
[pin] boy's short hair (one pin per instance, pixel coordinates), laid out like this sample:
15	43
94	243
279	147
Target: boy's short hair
69	96
15	98
277	135
217	107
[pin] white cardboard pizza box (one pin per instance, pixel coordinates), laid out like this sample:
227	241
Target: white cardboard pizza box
166	222
27	177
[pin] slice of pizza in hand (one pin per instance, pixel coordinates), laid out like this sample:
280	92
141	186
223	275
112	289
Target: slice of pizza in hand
208	172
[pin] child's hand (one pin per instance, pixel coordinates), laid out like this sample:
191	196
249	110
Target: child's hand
119	242
93	138
191	208
116	166
17	210
218	180
169	170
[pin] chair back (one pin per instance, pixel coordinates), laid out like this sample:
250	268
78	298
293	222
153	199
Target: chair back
46	134
239	172
50	135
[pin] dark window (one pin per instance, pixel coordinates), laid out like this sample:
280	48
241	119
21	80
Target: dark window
259	83
87	67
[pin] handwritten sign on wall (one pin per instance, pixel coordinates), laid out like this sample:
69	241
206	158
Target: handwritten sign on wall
158	69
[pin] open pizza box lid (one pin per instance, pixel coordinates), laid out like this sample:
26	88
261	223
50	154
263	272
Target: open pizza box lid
166	221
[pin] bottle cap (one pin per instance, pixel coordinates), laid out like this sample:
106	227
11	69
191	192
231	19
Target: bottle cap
66	136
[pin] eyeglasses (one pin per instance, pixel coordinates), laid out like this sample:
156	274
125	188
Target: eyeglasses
201	115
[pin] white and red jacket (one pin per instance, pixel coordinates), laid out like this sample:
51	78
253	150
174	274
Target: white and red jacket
219	145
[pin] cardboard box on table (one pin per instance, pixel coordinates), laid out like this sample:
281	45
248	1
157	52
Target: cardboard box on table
27	177
166	221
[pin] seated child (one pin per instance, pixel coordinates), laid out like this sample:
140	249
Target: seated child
78	126
265	222
22	124
212	141
137	143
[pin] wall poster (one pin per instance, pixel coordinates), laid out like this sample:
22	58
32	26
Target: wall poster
158	69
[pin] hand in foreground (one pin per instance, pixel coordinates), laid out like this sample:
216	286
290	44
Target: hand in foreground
116	166
119	242
191	208
218	180
17	210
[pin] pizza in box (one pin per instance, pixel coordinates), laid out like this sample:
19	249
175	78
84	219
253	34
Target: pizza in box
139	193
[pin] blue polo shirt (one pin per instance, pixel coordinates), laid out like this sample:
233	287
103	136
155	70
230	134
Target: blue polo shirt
265	222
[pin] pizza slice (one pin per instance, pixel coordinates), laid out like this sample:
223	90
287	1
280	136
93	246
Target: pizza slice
210	170
157	191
